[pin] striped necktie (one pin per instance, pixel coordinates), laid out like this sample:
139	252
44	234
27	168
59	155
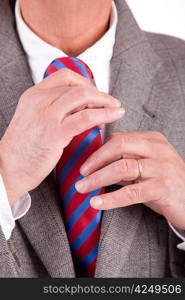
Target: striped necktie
82	222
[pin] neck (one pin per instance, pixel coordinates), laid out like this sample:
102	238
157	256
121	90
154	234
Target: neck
72	26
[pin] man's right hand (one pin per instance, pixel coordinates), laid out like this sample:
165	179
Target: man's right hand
47	118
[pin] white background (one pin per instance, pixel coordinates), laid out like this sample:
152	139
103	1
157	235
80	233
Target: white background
161	16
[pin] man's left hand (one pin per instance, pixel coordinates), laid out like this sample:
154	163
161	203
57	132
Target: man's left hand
146	165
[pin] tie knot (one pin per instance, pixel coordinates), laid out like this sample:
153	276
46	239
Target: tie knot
72	63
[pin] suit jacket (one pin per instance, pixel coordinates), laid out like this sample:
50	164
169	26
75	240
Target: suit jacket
148	76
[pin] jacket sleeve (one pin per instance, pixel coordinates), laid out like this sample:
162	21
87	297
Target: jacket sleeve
176	256
7	265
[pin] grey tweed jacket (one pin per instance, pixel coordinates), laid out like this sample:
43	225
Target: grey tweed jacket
148	76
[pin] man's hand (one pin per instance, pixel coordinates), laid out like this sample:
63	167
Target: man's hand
146	159
47	118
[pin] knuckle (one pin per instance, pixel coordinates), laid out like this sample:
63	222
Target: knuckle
111	200
55	118
167	182
125	165
95	179
31	100
82	92
158	135
66	73
86	116
122	140
133	195
106	114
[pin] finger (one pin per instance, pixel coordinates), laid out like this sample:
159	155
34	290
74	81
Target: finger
124	145
85	119
149	135
65	77
107	153
124	169
78	98
121	171
143	192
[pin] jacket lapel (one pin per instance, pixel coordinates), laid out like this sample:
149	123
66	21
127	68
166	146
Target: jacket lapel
43	224
133	67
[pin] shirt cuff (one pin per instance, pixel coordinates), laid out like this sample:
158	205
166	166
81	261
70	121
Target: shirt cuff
8	214
181	234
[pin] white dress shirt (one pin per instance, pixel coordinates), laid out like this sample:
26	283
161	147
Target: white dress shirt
39	55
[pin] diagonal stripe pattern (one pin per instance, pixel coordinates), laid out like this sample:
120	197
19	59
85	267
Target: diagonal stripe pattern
82	222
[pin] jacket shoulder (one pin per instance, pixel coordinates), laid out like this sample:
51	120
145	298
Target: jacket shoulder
167	97
171	75
165	46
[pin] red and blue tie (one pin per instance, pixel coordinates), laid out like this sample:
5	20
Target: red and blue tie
82	222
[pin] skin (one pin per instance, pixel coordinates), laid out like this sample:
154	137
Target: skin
158	181
72	105
49	115
69	18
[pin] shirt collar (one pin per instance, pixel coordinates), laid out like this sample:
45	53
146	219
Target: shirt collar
40	54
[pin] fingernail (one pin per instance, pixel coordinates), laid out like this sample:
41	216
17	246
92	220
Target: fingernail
118	103
84	170
120	112
96	202
80	186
